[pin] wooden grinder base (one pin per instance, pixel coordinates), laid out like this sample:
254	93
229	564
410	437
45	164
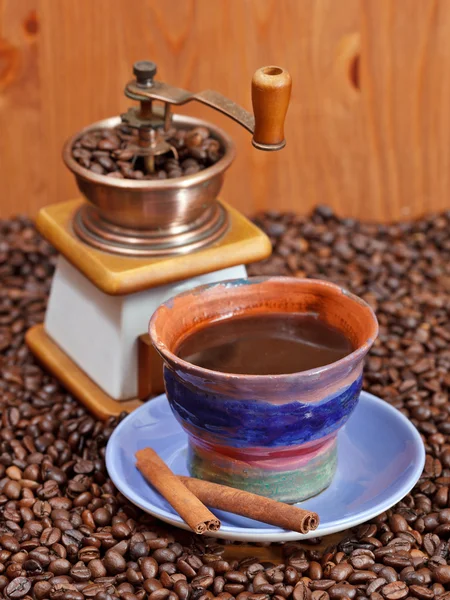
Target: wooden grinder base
73	378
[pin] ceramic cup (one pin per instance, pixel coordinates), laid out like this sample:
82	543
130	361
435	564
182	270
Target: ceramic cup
274	435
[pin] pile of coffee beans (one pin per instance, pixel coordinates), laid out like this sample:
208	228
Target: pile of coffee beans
111	152
67	534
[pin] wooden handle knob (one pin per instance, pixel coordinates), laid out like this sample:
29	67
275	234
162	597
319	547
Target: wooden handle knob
271	91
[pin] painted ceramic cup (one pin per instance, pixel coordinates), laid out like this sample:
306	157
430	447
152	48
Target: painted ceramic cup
274	435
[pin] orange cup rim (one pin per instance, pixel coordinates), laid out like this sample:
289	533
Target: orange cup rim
175	361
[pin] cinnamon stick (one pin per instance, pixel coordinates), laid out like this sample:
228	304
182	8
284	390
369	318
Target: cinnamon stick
252	506
186	504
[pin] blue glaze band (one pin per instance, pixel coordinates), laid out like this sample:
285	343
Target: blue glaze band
249	423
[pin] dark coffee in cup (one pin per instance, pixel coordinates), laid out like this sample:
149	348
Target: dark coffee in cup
268	344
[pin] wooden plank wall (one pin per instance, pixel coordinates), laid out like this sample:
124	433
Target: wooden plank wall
369	124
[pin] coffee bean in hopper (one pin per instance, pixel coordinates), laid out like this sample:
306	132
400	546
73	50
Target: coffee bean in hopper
107	152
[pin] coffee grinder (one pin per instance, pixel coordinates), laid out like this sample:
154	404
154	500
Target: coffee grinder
129	244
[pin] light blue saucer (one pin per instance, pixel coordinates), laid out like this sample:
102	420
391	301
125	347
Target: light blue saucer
380	458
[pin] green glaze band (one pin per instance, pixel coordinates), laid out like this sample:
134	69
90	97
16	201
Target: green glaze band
290	486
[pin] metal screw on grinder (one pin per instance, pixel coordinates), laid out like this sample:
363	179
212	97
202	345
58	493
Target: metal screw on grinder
144	70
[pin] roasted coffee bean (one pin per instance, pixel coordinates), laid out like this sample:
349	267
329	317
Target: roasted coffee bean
18	588
138	550
12	490
14	569
8	542
60	566
300	564
199	153
80	572
88	141
41	589
97	168
204	581
120	531
284	591
315	570
358	577
206	570
186	568
396	590
438	589
398	523
397	561
148	566
322	584
260	579
152	584
160	594
88	554
175	172
274	575
164	555
421	592
219	583
388	573
50	536
97	568
341	572
222	566
108	144
156	543
41	555
226	596
32	566
361	561
236	577
108	164
92	589
102	517
375	585
165	580
114	562
442	574
72	537
291	576
121	547
342	590
128	596
241	596
413	578
234	588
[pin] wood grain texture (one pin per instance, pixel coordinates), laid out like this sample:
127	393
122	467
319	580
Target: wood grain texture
367	130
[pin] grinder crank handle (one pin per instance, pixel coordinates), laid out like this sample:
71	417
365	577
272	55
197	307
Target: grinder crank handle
271	92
